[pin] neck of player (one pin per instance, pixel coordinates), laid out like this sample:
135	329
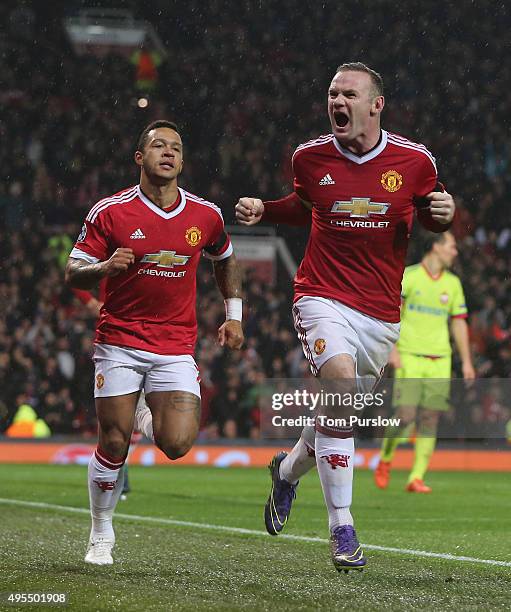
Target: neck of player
433	265
163	195
363	143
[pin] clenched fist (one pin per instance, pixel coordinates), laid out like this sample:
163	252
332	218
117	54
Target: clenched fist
118	262
249	211
441	205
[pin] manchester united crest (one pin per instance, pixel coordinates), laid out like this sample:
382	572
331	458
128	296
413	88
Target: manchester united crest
100	381
391	180
319	346
193	236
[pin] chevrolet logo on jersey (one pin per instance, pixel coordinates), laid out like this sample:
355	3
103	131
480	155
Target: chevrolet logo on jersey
360	207
165	259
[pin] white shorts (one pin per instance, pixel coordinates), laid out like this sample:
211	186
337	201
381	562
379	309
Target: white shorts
327	328
120	371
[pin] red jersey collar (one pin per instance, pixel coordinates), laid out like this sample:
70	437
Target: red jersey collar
362	159
159	211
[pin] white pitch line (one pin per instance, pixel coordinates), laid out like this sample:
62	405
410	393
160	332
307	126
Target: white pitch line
253	532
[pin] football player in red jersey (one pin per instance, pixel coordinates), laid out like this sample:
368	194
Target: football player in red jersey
359	187
147	241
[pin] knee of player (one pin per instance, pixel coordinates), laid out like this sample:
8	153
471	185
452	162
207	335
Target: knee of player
428	419
173	448
406	415
176	451
115	445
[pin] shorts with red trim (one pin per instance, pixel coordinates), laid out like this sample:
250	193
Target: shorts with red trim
327	328
121	370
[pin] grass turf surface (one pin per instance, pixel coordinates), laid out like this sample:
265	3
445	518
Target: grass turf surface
177	567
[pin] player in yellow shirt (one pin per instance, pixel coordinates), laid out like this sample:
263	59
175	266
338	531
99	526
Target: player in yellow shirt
432	299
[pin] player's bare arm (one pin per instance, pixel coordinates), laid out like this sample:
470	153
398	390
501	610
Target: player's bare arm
395	358
291	210
459	330
228	278
84	275
93	307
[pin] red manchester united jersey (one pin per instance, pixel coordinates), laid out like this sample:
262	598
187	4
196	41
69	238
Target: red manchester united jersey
361	219
151	306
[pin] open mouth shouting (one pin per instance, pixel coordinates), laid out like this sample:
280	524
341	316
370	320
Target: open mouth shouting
341	119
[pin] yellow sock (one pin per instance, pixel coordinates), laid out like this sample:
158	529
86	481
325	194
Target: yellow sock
424	448
406	433
393	437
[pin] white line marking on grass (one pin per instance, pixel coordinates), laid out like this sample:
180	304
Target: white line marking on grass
253	532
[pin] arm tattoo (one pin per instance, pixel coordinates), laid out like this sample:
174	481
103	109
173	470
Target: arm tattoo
228	277
81	274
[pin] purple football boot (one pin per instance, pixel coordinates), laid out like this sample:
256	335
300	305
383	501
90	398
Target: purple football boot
282	494
347	553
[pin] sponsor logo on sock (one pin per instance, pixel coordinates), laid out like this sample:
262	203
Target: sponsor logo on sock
327	180
106	485
138	234
336	461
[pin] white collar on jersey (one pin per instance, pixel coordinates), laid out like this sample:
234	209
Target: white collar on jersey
158	210
361	159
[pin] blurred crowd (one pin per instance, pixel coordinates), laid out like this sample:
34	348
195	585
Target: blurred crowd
245	91
46	342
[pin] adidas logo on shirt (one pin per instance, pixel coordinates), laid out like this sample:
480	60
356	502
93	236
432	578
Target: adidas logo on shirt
137	234
327	180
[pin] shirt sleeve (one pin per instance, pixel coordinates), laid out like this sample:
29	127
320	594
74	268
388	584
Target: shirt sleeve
458	308
219	246
91	244
84	296
299	182
427	177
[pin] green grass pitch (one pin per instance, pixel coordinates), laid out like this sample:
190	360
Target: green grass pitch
165	565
